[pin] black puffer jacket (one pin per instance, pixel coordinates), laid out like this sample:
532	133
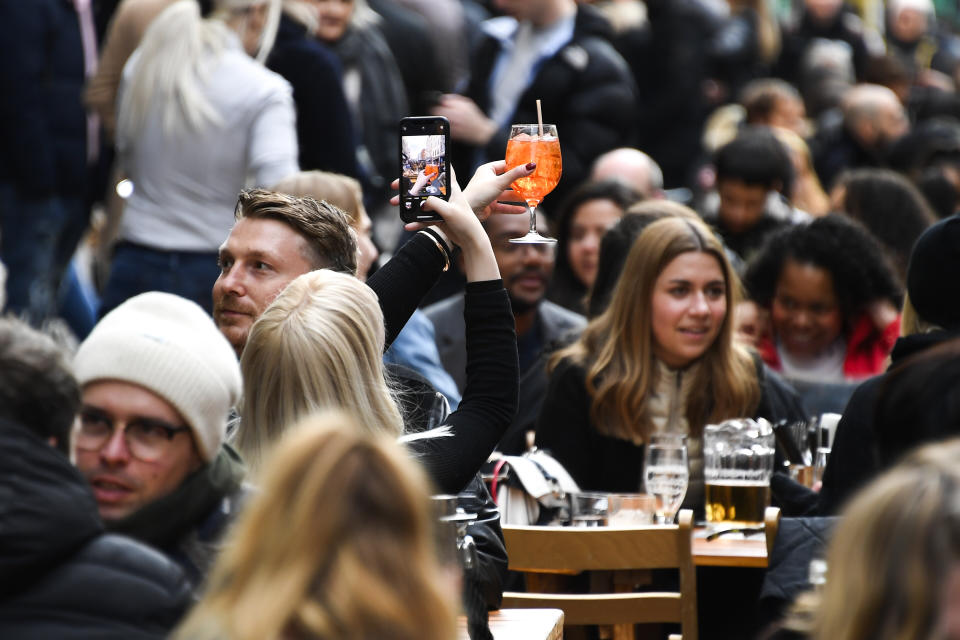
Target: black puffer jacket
42	121
586	90
60	576
854	460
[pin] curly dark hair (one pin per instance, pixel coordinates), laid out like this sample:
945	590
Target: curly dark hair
860	269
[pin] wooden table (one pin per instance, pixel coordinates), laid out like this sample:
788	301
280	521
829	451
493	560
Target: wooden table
729	551
520	624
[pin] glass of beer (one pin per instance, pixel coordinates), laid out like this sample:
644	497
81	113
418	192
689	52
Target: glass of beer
738	462
525	145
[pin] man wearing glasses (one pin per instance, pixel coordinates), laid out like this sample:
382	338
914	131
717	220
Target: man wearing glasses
59	568
158	381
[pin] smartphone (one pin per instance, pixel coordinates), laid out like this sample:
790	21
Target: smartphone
424	168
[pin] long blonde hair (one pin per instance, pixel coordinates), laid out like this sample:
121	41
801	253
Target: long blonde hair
890	556
616	348
174	61
319	345
338	545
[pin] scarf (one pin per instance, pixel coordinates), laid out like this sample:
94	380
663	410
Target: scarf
165	521
382	100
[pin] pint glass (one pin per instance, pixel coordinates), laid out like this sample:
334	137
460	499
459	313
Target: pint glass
738	462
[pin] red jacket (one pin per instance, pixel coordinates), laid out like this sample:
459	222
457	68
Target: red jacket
867	348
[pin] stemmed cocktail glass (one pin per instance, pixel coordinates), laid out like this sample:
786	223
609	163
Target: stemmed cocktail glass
528	143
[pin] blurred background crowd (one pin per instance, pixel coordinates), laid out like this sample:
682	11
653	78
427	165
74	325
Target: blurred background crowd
797	163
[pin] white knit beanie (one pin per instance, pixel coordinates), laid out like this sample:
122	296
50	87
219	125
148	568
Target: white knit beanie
171	347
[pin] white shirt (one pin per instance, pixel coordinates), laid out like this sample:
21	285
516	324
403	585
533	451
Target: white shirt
186	187
523	48
825	367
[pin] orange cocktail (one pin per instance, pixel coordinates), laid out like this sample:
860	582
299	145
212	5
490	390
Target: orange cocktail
540	144
545	152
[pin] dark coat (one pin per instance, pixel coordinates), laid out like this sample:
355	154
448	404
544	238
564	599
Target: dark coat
586	90
408	36
426	408
554	322
604	463
846	27
854	459
324	127
670	60
43	126
834	150
61	576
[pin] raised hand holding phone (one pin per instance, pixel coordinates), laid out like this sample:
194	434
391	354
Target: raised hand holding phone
489	190
461	226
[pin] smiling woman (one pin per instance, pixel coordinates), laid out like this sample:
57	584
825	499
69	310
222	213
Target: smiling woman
833	297
633	372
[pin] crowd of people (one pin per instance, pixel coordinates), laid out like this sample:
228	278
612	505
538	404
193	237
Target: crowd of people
230	376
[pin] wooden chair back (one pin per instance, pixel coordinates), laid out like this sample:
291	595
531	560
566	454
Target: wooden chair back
573	549
771	524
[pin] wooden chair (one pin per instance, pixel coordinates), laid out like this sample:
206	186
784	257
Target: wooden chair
771	524
568	550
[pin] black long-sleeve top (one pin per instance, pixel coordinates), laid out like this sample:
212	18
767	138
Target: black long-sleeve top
490	396
404	280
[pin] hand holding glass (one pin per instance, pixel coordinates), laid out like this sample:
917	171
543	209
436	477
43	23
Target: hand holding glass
666	474
525	145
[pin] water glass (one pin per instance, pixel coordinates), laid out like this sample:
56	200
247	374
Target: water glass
820	464
588	509
666	473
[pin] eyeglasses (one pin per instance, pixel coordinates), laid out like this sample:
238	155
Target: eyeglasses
147	439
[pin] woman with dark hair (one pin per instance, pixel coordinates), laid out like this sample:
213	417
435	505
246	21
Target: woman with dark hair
889	206
584	218
832	298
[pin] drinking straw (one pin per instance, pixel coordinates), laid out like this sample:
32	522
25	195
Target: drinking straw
539	119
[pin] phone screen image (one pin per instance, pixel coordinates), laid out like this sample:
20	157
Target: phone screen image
423	171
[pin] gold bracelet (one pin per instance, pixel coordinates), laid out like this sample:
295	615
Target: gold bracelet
436	241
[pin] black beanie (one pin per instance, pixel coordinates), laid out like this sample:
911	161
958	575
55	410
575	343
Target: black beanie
933	277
